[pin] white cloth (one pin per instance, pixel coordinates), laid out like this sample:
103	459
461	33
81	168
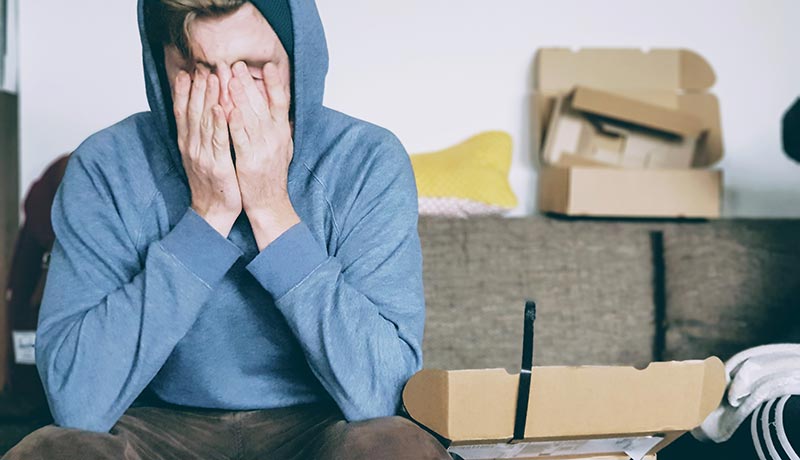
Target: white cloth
457	207
755	376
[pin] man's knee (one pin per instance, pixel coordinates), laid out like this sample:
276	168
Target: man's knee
53	442
390	438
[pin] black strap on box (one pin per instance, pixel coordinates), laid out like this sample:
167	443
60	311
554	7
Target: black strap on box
523	395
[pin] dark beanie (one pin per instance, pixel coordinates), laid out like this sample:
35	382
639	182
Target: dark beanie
279	16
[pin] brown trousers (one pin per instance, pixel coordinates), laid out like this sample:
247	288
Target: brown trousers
297	433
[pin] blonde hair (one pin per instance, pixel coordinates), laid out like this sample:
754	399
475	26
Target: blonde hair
172	19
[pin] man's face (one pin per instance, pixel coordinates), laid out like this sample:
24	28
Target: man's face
216	43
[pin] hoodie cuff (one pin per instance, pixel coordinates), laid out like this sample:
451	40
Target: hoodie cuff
288	260
200	248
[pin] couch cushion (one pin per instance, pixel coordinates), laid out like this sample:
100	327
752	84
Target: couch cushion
592	282
731	285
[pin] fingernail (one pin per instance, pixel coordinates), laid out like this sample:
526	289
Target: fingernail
240	67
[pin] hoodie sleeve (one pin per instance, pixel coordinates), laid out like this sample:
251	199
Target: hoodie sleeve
111	316
358	314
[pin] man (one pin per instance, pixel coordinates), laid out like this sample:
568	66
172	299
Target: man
247	256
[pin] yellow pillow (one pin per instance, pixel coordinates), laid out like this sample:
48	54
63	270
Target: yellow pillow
468	179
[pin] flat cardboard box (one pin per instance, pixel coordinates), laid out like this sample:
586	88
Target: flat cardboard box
675	80
607	129
571	409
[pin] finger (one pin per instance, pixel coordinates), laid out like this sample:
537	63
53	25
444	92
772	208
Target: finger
196	104
250	119
180	102
221	144
239	136
256	99
207	121
207	132
276	90
212	93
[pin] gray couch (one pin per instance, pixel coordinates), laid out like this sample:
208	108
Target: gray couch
608	292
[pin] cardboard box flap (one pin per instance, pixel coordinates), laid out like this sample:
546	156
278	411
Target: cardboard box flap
676	79
426	396
634	111
559	69
479	405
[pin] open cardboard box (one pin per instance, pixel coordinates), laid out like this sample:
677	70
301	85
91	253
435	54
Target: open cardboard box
591	127
586	412
654	162
573	412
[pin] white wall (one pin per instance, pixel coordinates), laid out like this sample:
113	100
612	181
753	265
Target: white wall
438	71
80	71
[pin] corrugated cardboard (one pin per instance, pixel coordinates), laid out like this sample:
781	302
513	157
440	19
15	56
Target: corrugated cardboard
670	85
635	111
599	192
477	407
606	129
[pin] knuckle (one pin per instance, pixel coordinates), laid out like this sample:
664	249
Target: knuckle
236	132
218	144
206	122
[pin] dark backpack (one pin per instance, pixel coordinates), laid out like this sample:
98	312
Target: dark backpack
791	131
24	293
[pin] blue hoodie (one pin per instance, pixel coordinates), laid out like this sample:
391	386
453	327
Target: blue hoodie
143	293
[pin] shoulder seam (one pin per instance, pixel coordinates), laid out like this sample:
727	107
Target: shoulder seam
327	201
140	229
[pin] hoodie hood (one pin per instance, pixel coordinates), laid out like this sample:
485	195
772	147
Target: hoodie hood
309	68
